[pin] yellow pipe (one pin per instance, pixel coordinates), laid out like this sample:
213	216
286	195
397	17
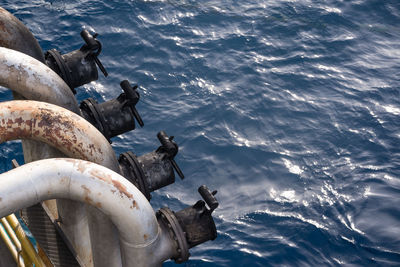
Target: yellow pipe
15	240
10	246
11	233
25	242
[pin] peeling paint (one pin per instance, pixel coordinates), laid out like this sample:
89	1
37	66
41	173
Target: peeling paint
102	176
58	128
122	189
88	200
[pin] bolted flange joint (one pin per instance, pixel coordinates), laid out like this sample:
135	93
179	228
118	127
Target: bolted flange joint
115	116
167	217
79	66
191	226
150	171
133	171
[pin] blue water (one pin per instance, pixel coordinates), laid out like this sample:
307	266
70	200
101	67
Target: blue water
289	108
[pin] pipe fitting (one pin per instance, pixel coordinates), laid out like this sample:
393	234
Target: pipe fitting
115	116
78	67
153	170
191	226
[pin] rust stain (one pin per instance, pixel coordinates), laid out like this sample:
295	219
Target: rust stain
102	176
87	190
134	204
81	166
98	204
52	127
1	199
88	200
19	121
122	189
145	237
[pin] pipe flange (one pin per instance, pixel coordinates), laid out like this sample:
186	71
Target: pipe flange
65	72
89	105
176	232
140	178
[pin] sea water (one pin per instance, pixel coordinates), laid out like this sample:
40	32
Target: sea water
290	109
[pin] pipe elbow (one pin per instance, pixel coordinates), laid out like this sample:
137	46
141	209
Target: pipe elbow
89	183
58	127
34	80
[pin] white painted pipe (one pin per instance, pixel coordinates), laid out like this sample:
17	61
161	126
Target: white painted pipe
34	80
143	241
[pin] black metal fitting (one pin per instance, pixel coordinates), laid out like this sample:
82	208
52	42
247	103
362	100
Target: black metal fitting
169	219
78	67
191	226
153	170
133	171
115	116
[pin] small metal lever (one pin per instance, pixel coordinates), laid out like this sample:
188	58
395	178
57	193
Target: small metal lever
209	197
133	97
93	44
170	148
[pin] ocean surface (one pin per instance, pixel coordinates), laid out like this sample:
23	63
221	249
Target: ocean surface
290	109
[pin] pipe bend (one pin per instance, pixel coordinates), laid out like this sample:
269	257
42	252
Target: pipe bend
15	35
86	182
56	126
34	80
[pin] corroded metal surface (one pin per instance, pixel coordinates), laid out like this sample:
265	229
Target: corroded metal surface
56	126
143	241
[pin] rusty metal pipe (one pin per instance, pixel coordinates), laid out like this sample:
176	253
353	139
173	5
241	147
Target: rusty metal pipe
73	136
143	241
56	126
